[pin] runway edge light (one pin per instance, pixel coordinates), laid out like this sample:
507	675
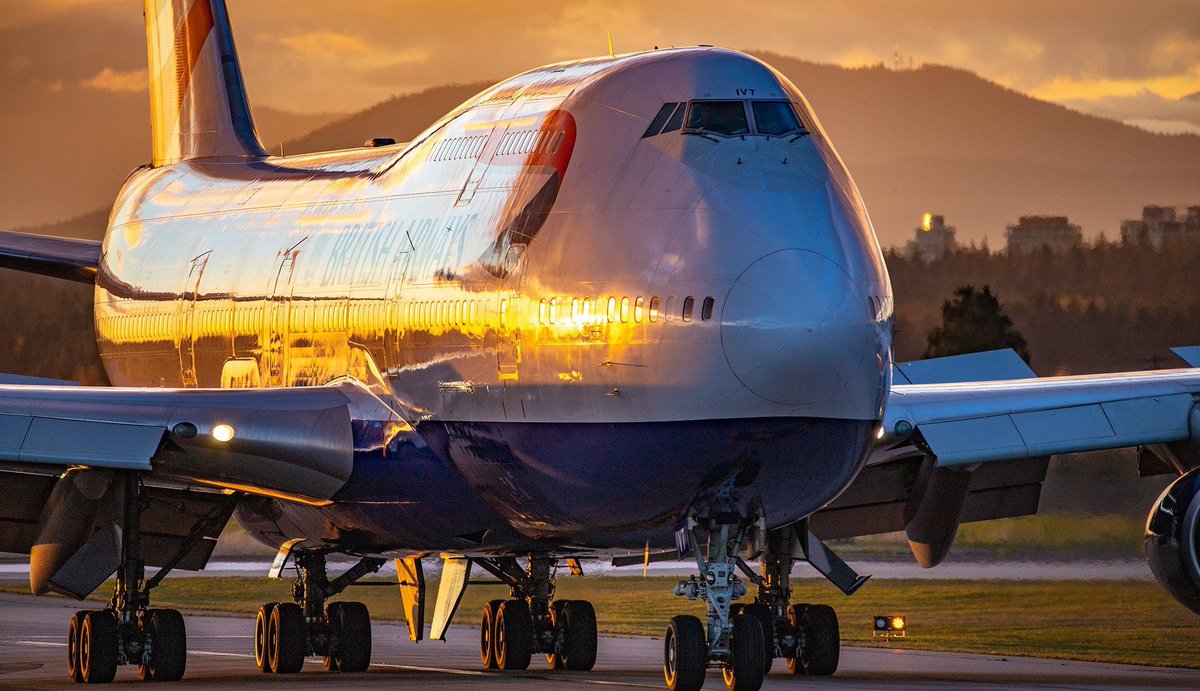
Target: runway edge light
889	626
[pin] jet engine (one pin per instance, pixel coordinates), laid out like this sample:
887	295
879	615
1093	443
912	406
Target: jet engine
1173	540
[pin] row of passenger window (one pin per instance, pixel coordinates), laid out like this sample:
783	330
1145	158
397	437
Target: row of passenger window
623	310
457	148
303	316
529	142
728	118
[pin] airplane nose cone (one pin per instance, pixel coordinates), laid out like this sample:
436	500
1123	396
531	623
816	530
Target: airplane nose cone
795	328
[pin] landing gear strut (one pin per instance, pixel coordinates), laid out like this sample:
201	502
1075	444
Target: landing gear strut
530	622
742	639
128	631
287	632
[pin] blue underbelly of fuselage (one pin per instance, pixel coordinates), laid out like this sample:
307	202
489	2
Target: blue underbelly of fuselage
492	486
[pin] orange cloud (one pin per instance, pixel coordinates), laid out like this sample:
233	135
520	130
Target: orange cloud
111	80
1071	89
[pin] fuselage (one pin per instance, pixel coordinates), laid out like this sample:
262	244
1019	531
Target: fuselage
579	316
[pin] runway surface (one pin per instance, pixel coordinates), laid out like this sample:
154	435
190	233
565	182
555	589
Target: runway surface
33	655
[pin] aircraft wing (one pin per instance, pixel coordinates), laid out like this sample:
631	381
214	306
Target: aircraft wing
953	449
979	422
68	258
199	451
294	442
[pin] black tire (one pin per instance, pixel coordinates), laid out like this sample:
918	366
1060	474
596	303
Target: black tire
262	641
763	613
487	634
286	635
330	661
73	630
555	660
796	620
579	642
744	670
514	636
98	641
354	637
822	641
685	654
167	635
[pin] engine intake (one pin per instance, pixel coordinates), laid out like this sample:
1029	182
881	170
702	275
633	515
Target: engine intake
1173	540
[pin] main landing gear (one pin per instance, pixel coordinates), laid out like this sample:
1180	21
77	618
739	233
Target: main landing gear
287	632
743	639
531	622
128	631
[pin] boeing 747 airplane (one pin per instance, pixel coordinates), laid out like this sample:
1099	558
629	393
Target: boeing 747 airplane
625	307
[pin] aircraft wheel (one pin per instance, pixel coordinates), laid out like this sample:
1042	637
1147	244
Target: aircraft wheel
514	636
285	638
262	642
73	629
487	634
744	671
555	660
353	626
685	654
579	629
98	641
822	641
167	635
795	665
763	614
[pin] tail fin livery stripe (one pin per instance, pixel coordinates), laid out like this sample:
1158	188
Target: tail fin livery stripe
198	104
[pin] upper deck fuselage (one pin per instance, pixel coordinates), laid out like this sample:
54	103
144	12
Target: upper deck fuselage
531	259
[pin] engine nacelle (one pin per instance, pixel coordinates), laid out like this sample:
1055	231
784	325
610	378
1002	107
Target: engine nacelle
1173	540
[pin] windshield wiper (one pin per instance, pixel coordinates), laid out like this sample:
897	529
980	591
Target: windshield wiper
709	137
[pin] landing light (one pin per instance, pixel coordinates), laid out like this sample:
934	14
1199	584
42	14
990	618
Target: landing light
889	626
222	432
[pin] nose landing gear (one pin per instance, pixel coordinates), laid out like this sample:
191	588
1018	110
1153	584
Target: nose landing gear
742	639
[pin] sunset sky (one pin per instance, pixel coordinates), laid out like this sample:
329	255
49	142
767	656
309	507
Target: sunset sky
1130	61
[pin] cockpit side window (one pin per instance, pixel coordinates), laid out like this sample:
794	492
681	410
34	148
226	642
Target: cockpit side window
776	118
718	117
659	120
676	120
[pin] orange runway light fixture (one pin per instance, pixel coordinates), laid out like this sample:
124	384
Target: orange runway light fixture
889	626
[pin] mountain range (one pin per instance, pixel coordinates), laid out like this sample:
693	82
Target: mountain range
931	139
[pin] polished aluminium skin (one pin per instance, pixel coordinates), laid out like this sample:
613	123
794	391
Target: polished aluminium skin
512	283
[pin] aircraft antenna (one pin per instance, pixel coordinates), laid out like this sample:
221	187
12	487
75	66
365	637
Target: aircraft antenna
611	52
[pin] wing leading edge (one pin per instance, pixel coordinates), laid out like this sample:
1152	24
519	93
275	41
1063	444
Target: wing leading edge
978	422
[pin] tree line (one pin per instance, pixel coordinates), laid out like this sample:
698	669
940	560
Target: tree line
1099	308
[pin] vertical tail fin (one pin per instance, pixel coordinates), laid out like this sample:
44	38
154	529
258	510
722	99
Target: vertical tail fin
198	105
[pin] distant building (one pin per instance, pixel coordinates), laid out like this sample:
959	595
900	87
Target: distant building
933	239
1032	233
1160	223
